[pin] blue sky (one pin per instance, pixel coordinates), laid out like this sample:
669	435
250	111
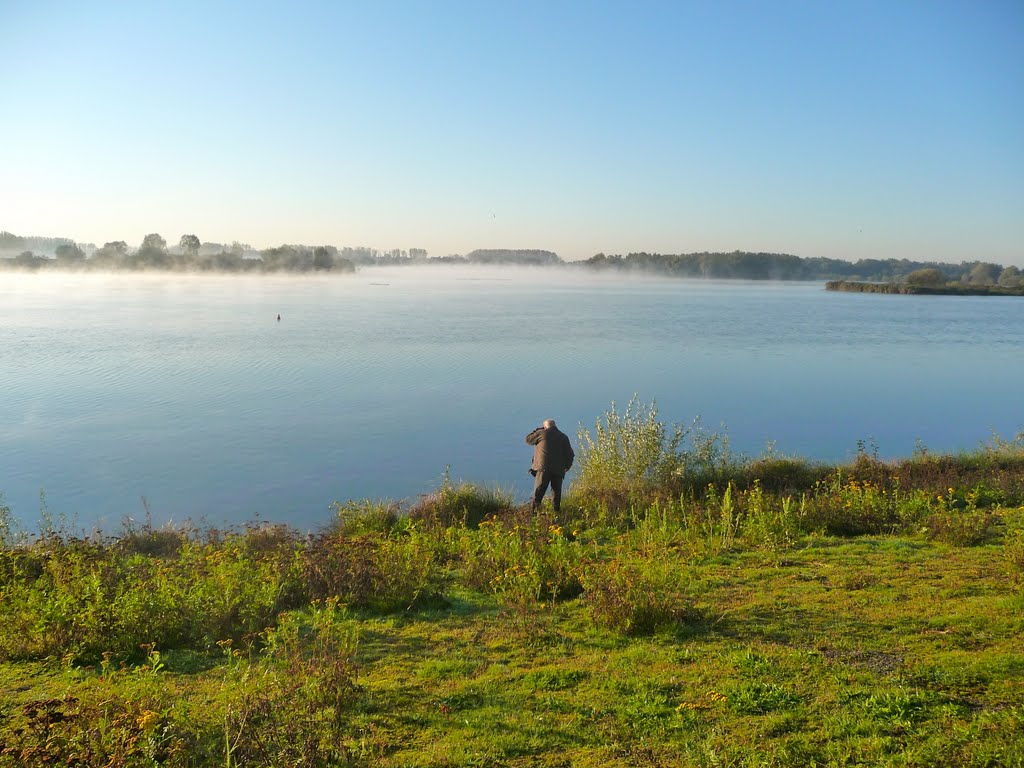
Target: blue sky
841	129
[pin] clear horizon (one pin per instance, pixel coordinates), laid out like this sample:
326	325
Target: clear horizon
843	130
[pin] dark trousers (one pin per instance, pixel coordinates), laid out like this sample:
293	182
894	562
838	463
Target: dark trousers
541	487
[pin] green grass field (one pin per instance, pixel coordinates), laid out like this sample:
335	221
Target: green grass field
737	613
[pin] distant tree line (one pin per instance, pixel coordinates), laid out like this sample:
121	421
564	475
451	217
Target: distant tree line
521	256
154	253
783	266
10	243
368	256
190	253
505	256
959	279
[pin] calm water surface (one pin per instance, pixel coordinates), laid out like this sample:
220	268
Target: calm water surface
184	393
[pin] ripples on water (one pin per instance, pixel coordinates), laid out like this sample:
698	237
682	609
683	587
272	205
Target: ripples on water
186	391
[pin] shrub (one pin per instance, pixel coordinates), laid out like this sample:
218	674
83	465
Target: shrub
957	520
295	697
913	509
407	575
961	529
630	457
231	589
107	729
154	542
850	507
634	597
769	522
522	564
61	606
997	470
927	277
370	571
1013	551
780	475
634	458
79	599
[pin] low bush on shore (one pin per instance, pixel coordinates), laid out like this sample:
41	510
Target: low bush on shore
686	606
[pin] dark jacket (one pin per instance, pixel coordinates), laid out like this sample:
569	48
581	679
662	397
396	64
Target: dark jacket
551	450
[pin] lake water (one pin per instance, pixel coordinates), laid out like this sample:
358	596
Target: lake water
186	395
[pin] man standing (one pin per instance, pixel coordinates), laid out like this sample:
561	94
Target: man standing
552	458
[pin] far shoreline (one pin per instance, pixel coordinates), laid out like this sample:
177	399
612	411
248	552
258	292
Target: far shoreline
850	286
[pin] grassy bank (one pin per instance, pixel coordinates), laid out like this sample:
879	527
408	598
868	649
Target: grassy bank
686	607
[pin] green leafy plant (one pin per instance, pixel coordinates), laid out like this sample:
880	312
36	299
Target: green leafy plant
717	523
295	699
1013	551
383	573
758	697
845	506
634	597
522	564
769	523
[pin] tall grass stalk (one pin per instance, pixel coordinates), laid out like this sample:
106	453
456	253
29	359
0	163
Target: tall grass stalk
714	524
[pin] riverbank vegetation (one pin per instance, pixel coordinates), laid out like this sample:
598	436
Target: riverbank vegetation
953	289
905	276
685	607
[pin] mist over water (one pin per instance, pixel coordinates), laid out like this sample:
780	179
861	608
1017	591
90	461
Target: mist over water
185	390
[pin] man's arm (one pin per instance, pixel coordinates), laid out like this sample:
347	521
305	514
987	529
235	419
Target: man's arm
534	437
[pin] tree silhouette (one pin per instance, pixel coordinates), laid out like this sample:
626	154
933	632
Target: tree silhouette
190	245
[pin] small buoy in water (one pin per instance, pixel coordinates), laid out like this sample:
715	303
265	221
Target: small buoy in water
279	318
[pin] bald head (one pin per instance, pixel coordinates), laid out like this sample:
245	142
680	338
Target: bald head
549	422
